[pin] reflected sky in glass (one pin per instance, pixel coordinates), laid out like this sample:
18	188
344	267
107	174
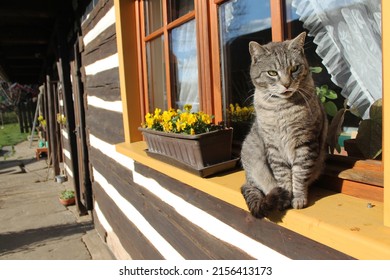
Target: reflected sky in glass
244	17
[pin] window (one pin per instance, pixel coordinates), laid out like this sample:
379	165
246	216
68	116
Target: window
183	49
171	54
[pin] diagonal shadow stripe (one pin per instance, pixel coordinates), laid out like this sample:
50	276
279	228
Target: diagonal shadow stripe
11	242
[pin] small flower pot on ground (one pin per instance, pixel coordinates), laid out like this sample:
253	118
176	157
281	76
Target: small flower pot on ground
67	198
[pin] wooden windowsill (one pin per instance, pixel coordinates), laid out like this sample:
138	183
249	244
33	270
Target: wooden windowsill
355	177
335	219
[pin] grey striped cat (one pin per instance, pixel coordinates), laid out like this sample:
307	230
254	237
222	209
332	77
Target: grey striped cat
285	149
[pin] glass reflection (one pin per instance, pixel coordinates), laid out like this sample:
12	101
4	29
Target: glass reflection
239	23
153	15
178	8
156	74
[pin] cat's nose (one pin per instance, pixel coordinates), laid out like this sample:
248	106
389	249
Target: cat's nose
287	87
285	82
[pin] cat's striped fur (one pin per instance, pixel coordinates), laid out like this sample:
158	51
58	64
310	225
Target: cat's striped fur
284	151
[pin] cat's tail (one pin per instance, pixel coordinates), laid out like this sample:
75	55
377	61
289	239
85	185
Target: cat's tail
260	205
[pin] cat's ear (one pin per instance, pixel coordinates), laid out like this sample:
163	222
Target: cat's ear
298	42
256	50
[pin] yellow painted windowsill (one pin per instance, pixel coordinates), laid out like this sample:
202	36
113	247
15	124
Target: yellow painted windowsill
339	221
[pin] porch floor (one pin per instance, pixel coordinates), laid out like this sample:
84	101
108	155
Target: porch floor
34	225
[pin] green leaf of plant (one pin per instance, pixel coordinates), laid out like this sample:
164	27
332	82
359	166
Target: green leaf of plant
316	70
330	108
331	94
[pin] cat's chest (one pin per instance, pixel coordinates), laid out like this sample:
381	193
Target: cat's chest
285	132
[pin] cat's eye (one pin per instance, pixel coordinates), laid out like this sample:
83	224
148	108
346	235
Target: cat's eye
294	68
272	73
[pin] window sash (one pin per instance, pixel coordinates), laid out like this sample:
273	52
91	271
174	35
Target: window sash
164	31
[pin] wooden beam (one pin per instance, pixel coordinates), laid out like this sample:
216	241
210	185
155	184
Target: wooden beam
386	104
51	126
21	13
277	20
126	34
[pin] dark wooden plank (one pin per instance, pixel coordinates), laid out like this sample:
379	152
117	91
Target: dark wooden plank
105	125
102	46
188	239
270	234
102	7
132	240
106	92
108	77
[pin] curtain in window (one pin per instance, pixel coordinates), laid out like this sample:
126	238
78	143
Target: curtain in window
349	39
185	65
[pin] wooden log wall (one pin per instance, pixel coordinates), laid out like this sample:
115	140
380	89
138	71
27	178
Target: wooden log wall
103	106
64	138
144	214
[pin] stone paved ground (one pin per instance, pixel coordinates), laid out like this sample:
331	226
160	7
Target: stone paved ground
33	224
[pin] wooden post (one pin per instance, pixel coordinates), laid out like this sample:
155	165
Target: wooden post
20	117
51	128
126	34
386	113
277	20
24	110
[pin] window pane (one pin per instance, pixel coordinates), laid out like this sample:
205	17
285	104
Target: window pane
153	15
184	66
239	23
178	8
156	74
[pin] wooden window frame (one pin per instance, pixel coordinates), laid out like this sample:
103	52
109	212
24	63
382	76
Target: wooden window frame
199	14
131	73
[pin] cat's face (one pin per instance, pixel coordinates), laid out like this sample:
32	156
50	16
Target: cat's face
278	69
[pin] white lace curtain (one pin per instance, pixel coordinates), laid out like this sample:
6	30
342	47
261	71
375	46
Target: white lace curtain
349	39
184	50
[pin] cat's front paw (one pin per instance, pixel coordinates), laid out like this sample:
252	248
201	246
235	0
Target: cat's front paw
299	202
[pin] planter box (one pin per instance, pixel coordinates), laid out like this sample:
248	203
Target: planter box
204	154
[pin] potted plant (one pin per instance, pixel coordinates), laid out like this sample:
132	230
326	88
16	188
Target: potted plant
241	119
67	197
188	140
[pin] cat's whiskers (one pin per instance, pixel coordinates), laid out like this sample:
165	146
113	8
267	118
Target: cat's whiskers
250	96
270	95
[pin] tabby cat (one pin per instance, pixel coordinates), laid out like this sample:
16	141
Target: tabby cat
284	150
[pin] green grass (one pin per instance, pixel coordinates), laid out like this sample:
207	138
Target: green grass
10	135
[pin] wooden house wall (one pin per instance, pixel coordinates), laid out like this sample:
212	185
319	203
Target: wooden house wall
144	214
103	107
